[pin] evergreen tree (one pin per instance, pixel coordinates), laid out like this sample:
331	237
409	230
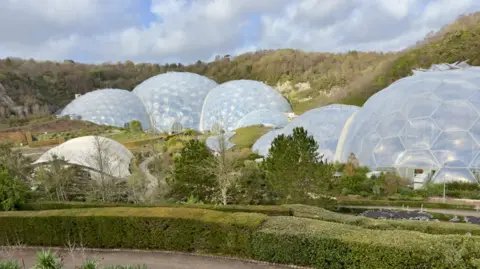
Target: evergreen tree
187	179
293	167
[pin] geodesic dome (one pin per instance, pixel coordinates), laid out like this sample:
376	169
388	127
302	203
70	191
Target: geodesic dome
325	124
174	99
263	117
96	152
113	107
229	102
428	121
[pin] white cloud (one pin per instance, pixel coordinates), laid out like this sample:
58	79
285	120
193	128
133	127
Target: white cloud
188	30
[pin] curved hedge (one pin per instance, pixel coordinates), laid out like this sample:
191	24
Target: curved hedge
280	239
430	227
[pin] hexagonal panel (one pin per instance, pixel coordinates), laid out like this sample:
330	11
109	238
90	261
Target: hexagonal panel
388	151
455	149
417	159
476	162
417	85
419	106
391	125
369	142
450	90
457	115
419	133
475	99
454	174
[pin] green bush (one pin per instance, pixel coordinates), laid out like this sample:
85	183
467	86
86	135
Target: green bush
173	229
430	227
9	264
332	245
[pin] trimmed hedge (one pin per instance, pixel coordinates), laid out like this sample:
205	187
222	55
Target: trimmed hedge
174	229
270	210
248	235
429	227
333	245
418	204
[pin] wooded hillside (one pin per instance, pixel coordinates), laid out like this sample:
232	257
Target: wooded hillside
308	79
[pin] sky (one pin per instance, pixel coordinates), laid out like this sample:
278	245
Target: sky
184	31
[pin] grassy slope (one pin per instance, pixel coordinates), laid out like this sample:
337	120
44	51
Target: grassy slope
247	136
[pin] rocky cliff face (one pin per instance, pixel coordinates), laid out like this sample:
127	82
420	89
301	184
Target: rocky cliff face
5	99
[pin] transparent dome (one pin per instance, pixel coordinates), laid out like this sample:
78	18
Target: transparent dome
108	107
229	102
325	124
96	152
425	122
263	117
174	99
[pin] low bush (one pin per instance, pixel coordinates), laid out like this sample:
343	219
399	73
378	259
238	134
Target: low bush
332	245
418	204
430	227
271	210
173	229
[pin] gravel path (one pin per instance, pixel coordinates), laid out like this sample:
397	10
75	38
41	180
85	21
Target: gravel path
151	179
153	260
457	212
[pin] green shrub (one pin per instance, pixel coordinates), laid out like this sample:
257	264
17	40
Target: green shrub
174	229
10	264
430	227
332	245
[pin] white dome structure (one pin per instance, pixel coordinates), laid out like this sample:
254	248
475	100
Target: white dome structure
229	102
113	107
174	99
325	124
425	123
97	153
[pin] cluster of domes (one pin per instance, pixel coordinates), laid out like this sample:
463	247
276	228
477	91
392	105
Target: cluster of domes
174	101
425	126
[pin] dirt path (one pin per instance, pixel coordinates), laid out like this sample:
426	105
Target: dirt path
457	212
153	260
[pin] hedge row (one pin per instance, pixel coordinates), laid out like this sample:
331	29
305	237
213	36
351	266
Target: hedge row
271	210
280	239
174	229
429	227
418	204
332	245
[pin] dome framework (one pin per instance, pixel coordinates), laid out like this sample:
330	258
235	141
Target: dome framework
427	123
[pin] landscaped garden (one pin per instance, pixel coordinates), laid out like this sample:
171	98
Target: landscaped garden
289	208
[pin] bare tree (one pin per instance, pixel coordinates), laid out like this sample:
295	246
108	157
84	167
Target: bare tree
60	181
109	182
224	164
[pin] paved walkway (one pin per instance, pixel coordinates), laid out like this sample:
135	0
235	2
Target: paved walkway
153	260
456	212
